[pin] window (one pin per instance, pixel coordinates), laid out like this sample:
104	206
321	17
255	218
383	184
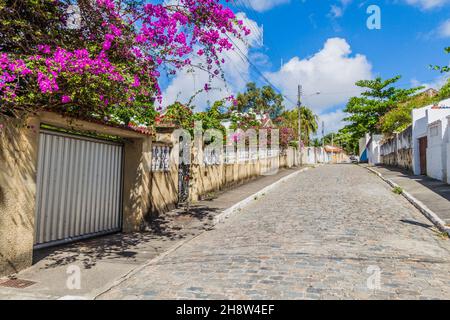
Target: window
161	158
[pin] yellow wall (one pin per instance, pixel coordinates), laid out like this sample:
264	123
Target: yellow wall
18	154
18	162
207	179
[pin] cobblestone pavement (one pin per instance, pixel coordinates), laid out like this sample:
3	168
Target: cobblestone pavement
323	235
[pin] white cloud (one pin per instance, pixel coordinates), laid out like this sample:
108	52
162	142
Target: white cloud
435	84
444	29
428	4
333	71
333	121
264	5
236	71
336	11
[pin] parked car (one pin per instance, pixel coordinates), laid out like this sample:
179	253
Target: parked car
354	159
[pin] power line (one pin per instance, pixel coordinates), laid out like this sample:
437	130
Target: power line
246	4
244	56
401	84
253	28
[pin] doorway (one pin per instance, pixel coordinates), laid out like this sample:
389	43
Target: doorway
423	145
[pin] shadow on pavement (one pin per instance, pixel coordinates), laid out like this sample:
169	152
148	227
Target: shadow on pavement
439	187
415	223
159	232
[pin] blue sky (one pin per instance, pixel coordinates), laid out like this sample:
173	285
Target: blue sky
326	46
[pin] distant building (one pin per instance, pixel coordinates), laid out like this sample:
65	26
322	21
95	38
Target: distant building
370	148
430	92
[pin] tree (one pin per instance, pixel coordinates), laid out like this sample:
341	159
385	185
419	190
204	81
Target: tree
347	141
309	122
212	117
328	139
400	117
379	98
264	100
112	58
316	142
444	68
179	115
343	138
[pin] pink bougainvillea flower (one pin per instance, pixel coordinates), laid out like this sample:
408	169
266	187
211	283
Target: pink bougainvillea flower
128	52
136	82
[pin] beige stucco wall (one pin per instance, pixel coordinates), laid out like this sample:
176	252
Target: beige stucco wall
18	154
164	190
206	179
136	183
18	162
402	158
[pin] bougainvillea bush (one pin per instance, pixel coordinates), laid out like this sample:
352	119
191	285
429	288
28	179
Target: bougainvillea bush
92	57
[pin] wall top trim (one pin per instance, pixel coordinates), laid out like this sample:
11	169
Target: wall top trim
435	123
64	122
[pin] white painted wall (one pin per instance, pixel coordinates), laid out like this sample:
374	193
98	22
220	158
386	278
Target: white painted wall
422	117
362	145
420	122
373	146
374	149
435	156
446	150
313	155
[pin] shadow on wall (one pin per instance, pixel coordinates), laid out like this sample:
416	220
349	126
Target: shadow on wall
206	179
18	154
164	191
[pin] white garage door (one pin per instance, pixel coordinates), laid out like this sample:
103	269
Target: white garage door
79	188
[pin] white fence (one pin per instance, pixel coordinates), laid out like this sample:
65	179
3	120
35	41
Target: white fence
315	155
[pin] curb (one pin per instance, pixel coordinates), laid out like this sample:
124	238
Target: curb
427	212
220	218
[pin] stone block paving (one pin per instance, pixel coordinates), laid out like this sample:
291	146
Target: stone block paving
322	235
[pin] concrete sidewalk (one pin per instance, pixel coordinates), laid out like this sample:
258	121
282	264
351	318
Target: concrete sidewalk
103	261
434	194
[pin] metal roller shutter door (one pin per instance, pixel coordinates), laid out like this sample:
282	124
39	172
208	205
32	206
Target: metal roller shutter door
79	188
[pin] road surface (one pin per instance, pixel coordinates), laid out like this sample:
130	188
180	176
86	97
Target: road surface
334	232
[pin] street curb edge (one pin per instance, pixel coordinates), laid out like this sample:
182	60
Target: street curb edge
427	212
225	214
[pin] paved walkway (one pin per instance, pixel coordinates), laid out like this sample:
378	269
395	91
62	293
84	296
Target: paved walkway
433	193
103	260
333	232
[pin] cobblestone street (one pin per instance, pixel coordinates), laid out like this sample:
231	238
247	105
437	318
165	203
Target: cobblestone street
324	234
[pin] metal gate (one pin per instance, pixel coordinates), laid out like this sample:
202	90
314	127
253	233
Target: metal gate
79	188
183	183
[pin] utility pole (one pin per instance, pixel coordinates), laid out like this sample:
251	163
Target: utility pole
323	142
323	134
332	147
299	106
